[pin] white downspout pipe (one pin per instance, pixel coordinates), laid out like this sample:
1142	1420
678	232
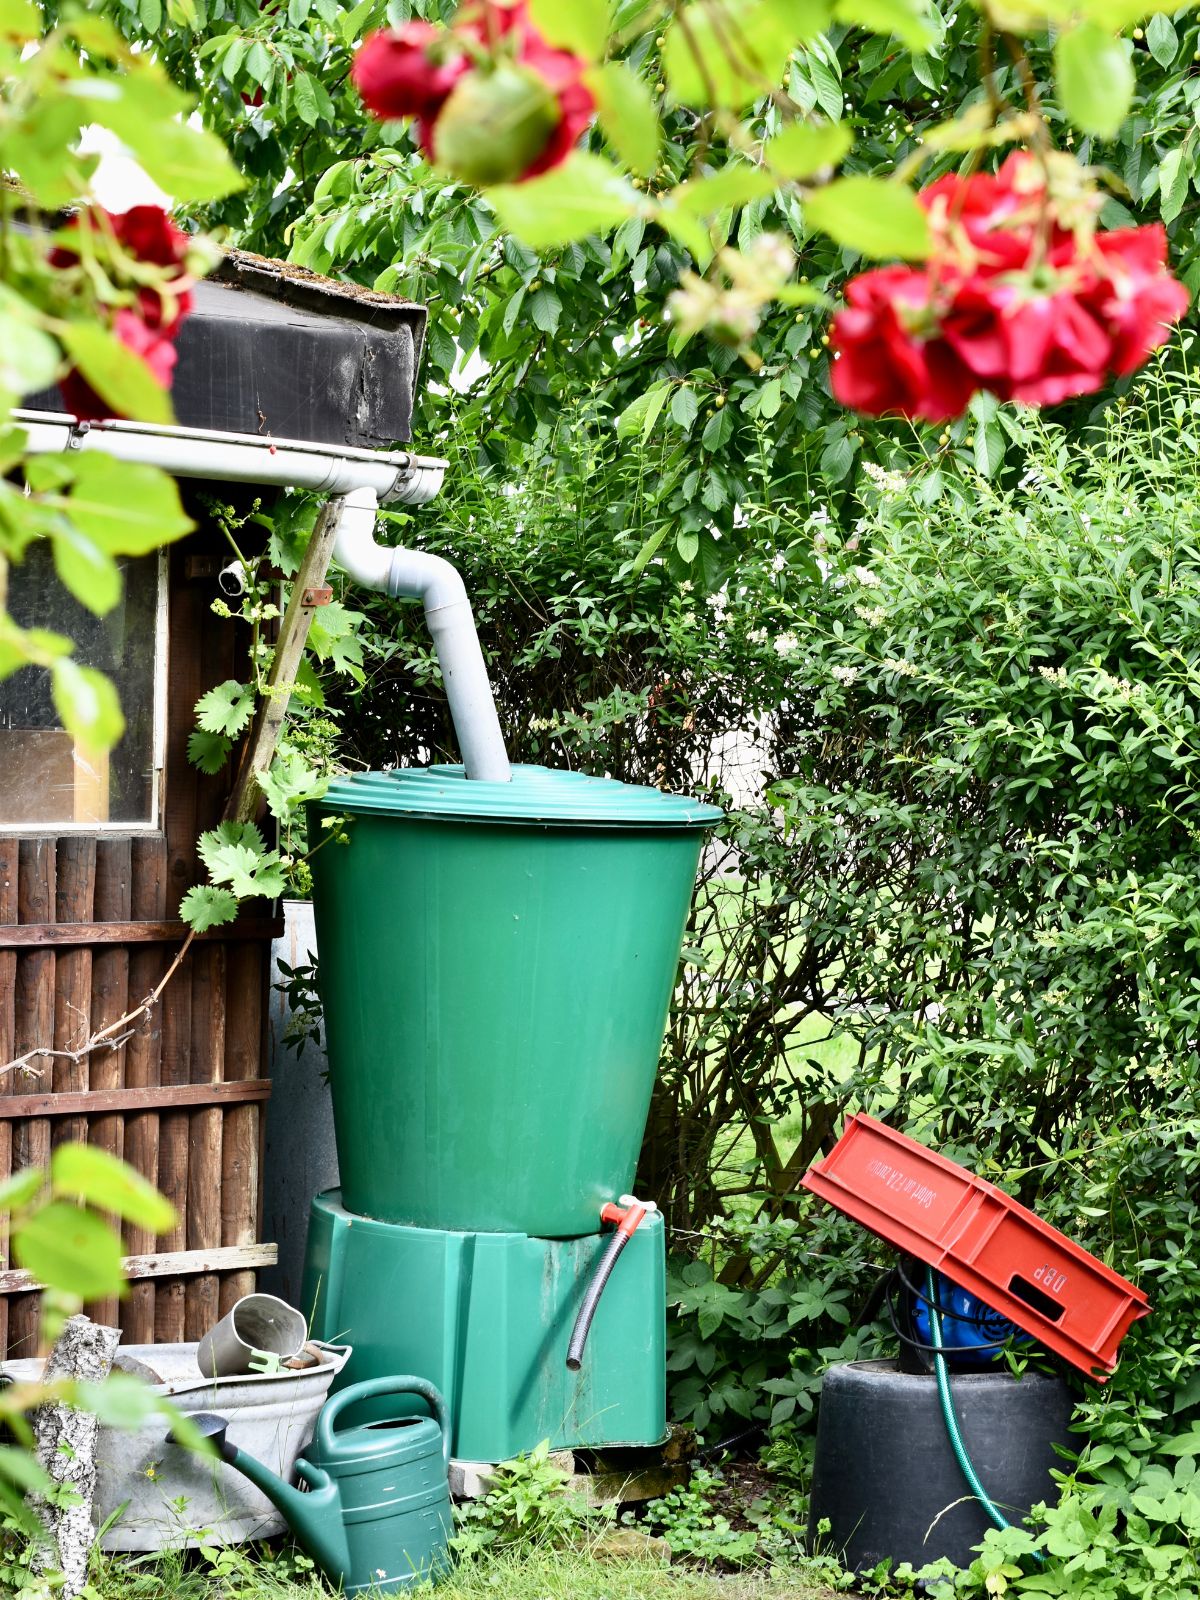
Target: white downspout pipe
414	575
359	480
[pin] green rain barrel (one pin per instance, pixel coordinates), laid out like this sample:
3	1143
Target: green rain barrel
496	964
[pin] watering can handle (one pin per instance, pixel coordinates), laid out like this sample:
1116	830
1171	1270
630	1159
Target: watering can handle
370	1390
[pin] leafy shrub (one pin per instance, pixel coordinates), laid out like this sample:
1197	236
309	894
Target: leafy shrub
527	1505
962	837
687	1519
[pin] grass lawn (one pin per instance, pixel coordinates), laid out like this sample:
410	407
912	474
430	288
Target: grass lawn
535	1575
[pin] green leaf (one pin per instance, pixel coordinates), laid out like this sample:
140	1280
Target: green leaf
204	907
92	576
231	61
700	68
640	415
243	835
87	704
1095	79
770	397
871	215
1161	39
85	1172
208	751
827	87
290	783
350	24
688	230
1172	183
646	552
545	308
718	429
305	99
71	1250
226	709
583	196
234	854
258	62
804	148
19	1467
126	1401
578	25
627	114
29	358
909	20
687	543
150	115
124	508
21	1188
735	185
189	163
19	19
837	458
119	377
684	407
990	443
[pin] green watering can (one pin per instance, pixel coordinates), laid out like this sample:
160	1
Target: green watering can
376	1513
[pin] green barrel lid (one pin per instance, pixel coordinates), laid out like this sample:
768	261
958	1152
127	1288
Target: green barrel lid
535	794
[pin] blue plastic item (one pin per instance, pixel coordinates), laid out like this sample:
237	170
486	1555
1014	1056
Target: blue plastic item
972	1334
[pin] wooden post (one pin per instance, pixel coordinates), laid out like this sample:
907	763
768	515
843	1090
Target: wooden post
293	635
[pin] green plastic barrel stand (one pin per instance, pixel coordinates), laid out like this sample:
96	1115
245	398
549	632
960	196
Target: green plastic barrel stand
486	1317
496	963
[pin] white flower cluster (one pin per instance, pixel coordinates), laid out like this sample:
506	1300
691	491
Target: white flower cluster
845	675
889	483
1053	674
866	577
730	310
1121	687
873	616
902	669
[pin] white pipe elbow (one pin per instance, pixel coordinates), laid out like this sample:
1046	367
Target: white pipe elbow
414	575
354	549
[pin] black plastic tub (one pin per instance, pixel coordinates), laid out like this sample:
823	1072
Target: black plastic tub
886	1477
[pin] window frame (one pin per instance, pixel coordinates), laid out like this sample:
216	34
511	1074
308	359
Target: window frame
158	740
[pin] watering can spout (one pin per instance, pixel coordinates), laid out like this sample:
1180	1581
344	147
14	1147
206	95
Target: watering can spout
315	1516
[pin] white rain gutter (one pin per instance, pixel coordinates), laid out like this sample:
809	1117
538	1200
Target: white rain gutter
361	480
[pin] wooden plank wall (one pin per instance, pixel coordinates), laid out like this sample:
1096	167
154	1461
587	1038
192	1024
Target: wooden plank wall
88	926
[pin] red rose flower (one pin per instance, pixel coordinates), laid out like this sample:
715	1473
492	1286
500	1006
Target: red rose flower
889	353
1135	294
148	233
1022	344
1020	296
412	71
147	327
562	72
155	349
985	213
398	73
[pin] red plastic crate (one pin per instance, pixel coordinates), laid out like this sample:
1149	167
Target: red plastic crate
983	1240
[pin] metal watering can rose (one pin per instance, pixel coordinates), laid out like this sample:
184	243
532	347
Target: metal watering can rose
376	1513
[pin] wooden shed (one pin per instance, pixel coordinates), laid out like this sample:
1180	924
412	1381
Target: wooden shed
97	852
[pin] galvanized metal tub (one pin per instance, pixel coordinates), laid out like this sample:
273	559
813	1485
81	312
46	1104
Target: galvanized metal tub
162	1497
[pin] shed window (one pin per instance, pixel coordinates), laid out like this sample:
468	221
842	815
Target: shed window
48	780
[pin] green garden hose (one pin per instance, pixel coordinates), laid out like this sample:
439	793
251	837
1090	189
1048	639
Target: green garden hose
950	1416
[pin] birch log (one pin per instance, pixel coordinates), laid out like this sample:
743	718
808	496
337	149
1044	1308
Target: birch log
66	1451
